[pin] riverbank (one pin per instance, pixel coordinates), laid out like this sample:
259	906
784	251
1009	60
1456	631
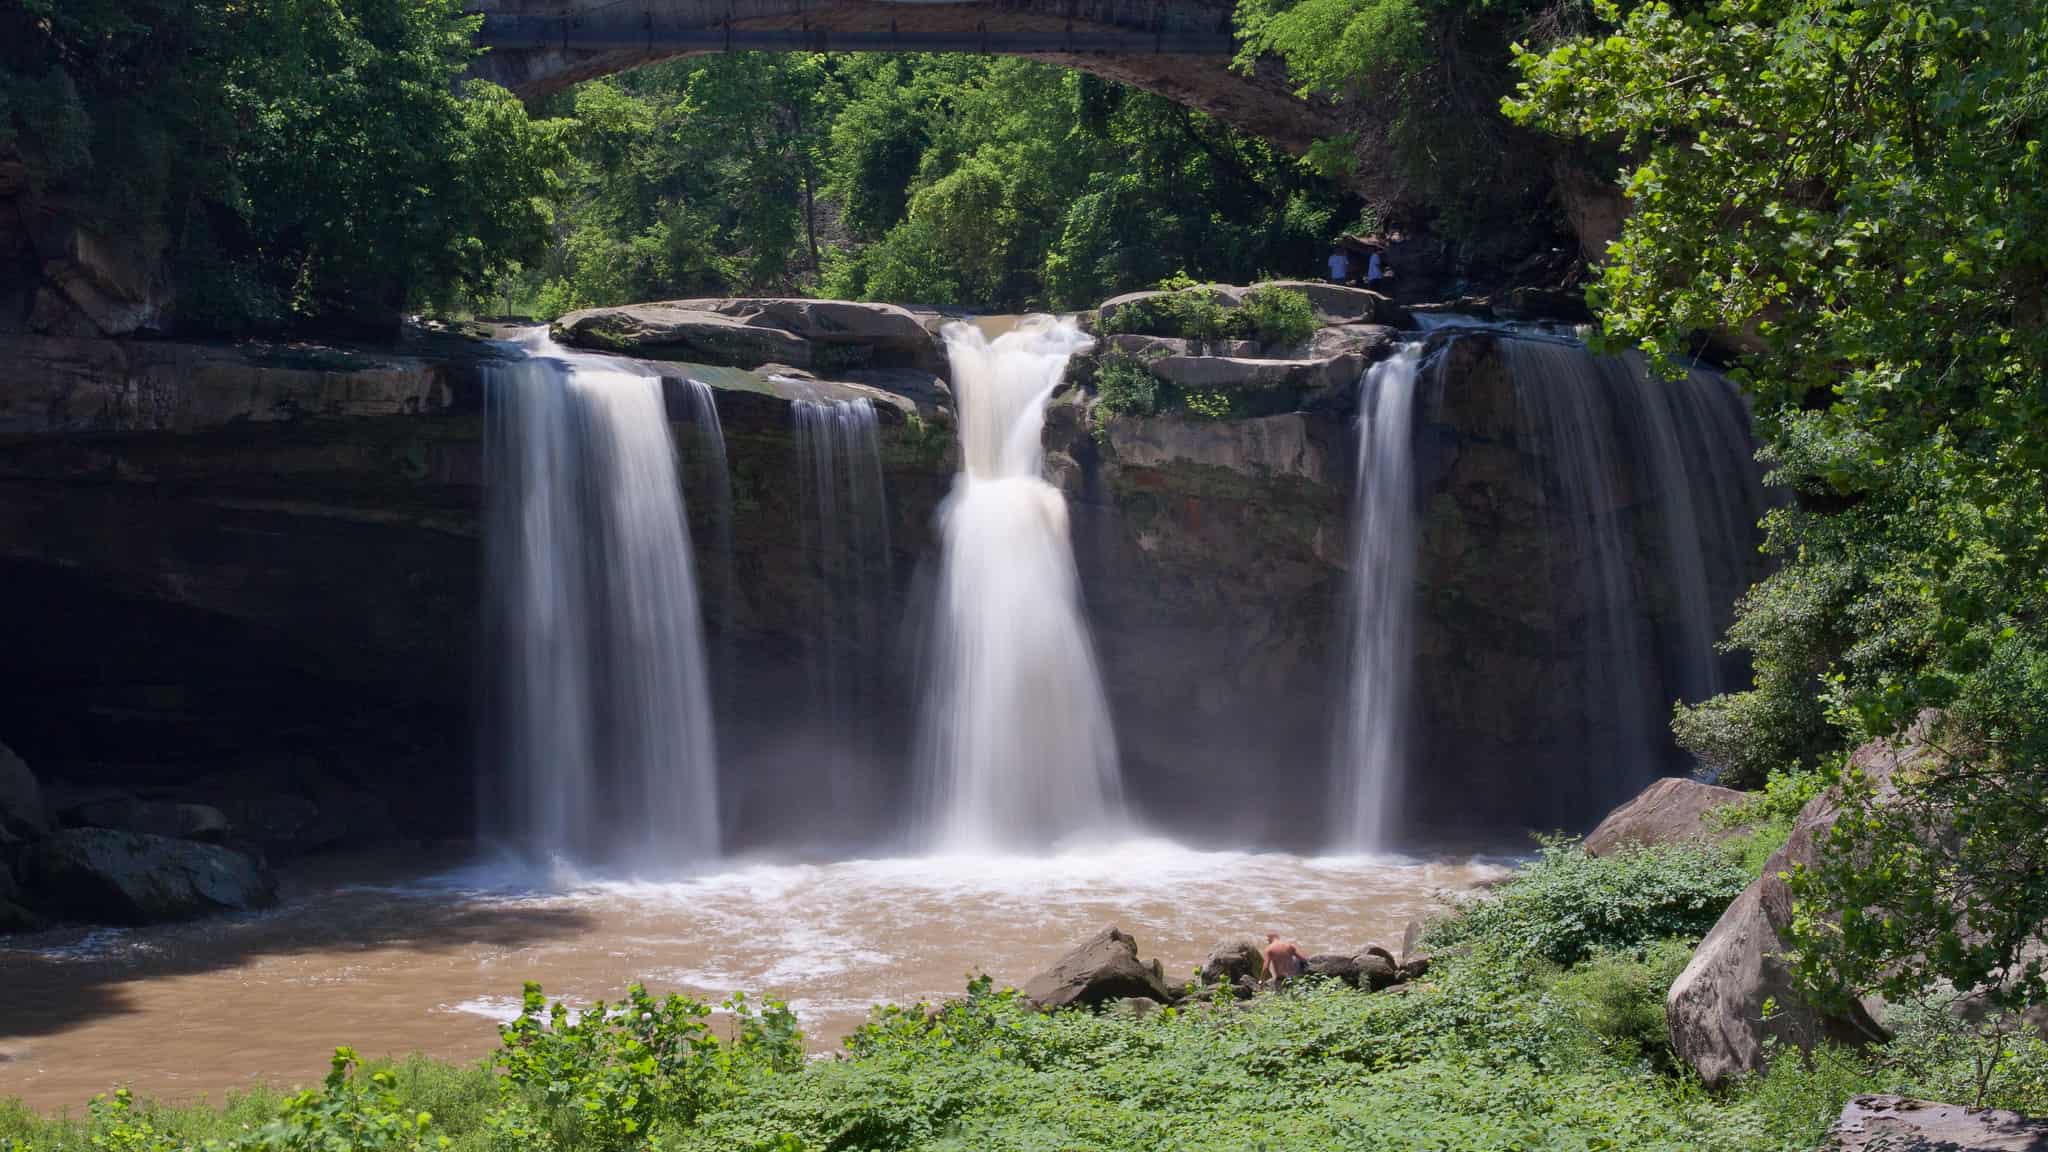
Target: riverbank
1499	1048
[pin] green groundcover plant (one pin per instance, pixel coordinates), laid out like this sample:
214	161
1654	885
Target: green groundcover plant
1506	1046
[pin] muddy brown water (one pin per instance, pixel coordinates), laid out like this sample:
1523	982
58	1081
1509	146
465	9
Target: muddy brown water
396	956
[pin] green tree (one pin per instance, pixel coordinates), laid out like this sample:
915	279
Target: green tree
301	162
1857	188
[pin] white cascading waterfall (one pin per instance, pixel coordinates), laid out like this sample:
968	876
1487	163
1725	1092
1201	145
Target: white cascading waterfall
1372	738
1647	501
844	513
1017	748
1622	442
602	715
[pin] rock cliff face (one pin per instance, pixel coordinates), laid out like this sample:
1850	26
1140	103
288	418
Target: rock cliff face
248	578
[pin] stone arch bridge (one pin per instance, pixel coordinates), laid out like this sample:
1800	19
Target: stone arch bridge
1179	49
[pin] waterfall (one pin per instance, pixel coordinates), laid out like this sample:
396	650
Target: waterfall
712	477
1017	749
602	711
1644	497
1372	743
845	524
1627	449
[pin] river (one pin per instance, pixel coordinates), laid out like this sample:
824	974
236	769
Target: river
396	955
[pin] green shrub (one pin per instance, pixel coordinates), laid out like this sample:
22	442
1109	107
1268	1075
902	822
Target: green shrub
1619	996
1566	905
358	1113
616	1074
1209	405
1268	315
1766	817
1276	316
1125	387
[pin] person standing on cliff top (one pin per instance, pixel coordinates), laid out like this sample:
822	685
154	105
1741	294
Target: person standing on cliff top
1283	960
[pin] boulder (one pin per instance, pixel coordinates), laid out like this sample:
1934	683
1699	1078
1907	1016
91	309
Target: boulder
1335	967
100	874
1674	810
1371	341
1377	969
1237	956
1135	1007
22	816
1715	1010
750	333
1415	960
117	286
1898	1124
1103	968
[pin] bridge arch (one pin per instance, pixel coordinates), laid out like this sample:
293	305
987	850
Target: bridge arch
1179	49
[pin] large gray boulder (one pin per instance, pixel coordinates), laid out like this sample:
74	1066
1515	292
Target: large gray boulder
1898	1124
1715	1010
1105	967
22	816
1237	956
818	335
1674	810
129	813
100	874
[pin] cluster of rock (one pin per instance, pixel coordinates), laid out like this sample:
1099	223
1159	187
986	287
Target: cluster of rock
113	857
1104	972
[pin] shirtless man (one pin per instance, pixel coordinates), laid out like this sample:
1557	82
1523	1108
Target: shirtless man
1283	959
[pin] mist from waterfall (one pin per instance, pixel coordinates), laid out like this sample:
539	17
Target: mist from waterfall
1372	738
602	717
1017	751
843	507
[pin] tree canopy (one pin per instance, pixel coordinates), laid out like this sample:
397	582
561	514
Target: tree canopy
993	183
1854	189
298	162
